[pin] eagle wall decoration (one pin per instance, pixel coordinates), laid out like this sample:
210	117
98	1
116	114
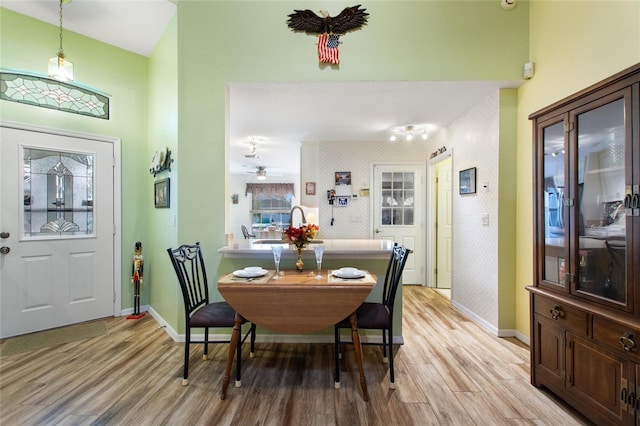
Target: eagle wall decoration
329	29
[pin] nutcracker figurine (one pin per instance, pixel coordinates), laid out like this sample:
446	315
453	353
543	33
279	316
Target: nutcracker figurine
137	273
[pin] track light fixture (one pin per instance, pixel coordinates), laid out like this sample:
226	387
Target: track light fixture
409	132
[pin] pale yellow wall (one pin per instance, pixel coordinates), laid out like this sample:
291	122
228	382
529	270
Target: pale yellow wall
574	44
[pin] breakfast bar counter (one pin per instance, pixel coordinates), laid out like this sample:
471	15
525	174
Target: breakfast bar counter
333	248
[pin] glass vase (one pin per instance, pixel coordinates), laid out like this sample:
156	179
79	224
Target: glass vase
299	262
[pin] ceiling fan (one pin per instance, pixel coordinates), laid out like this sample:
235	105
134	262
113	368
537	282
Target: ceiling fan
261	172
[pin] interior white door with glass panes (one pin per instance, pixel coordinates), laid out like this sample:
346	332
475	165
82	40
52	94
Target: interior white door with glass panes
398	212
57	225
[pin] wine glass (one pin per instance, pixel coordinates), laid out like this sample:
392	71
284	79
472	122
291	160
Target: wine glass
277	252
318	250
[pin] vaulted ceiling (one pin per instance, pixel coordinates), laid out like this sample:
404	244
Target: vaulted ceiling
279	116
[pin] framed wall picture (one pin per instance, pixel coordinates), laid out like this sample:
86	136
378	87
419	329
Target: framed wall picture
343	178
161	193
468	181
310	188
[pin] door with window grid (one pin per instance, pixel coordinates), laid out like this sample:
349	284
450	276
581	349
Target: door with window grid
398	209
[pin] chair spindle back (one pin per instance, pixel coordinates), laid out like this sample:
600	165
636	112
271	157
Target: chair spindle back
189	266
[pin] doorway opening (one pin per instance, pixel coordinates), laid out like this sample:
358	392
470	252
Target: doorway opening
440	183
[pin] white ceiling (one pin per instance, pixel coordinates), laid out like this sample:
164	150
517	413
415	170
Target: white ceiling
278	115
287	114
133	25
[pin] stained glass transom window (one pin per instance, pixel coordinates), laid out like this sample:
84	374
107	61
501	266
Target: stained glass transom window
53	94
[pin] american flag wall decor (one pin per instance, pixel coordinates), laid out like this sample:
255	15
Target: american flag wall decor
328	48
329	29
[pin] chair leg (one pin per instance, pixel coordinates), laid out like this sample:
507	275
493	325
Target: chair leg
384	346
252	352
392	378
239	364
336	351
185	369
205	354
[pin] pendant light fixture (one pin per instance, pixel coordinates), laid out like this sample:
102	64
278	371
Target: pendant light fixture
59	68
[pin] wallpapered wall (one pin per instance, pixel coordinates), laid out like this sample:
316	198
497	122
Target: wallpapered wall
353	220
474	140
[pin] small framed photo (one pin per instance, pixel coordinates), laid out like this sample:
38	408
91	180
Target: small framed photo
161	193
343	178
468	181
342	201
310	188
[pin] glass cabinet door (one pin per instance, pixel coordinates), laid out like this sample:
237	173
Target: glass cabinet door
599	240
553	193
584	173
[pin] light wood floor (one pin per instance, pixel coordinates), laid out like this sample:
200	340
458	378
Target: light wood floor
448	372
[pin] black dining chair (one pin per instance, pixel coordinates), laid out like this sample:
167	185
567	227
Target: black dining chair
199	312
246	234
377	316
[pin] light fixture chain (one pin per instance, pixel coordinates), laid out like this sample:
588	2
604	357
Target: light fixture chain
60	50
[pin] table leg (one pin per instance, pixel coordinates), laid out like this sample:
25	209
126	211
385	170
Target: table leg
355	336
233	345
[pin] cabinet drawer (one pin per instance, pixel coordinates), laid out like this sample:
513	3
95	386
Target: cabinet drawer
609	333
568	317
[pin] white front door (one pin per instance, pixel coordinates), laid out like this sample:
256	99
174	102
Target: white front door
398	209
56	230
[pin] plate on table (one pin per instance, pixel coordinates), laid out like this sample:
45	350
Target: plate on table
250	272
348	273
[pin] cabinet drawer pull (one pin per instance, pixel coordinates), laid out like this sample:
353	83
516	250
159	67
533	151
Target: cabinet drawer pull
556	312
628	344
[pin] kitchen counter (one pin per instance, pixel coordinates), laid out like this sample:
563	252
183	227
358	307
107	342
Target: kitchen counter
257	248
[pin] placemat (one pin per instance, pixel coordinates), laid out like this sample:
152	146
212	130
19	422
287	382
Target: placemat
257	280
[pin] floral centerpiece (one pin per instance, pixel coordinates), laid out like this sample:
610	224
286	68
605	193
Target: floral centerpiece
300	237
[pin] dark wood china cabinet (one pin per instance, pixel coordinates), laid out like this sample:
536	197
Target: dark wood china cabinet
585	298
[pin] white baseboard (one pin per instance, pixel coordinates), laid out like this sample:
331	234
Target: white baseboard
490	327
125	312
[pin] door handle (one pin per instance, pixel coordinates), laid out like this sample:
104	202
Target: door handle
4	250
4	235
378	231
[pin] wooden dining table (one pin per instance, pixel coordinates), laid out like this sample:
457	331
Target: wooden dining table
295	302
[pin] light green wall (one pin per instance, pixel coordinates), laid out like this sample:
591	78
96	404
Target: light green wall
507	208
428	40
574	44
26	44
163	133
